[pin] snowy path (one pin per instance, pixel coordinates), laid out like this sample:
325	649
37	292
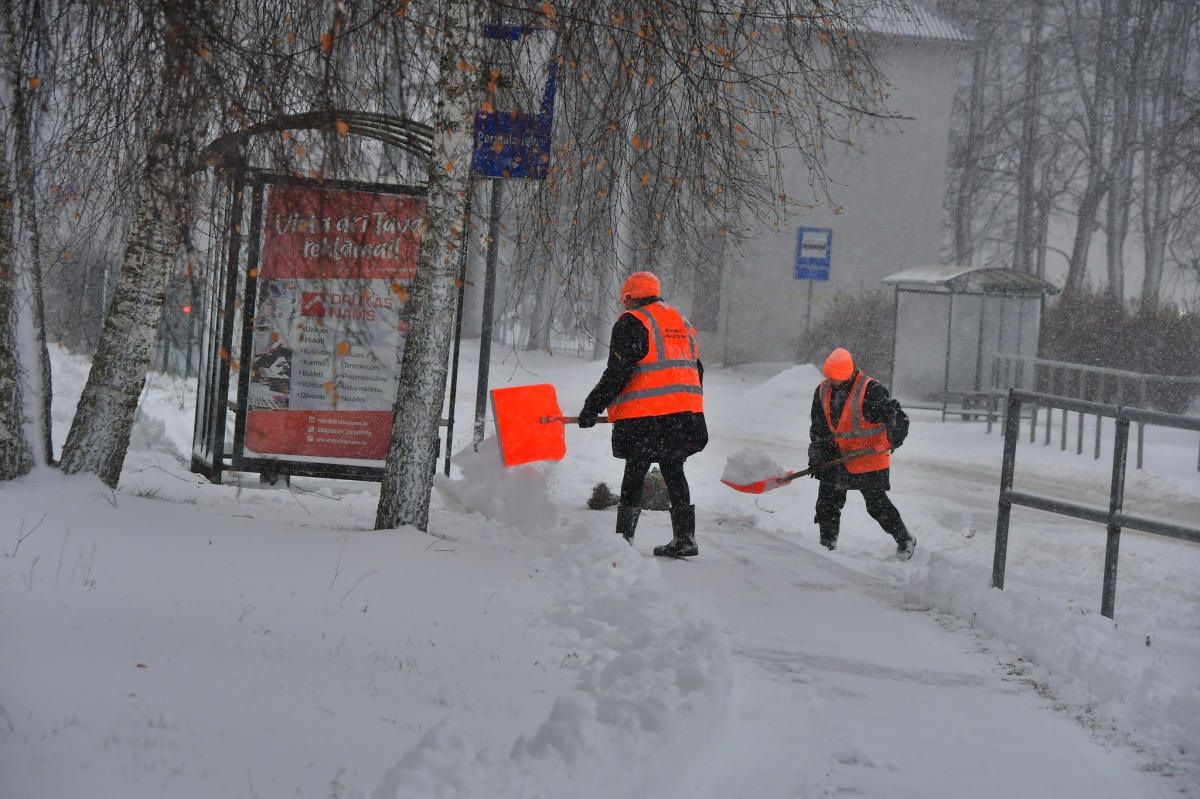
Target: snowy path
178	638
839	691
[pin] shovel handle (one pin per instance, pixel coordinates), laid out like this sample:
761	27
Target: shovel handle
570	419
849	456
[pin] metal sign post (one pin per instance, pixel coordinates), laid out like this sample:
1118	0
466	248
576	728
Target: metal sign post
508	145
814	248
489	306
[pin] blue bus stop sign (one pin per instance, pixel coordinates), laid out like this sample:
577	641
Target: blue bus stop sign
814	246
512	145
509	144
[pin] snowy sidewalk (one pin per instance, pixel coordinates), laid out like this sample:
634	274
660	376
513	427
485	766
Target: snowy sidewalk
181	639
838	691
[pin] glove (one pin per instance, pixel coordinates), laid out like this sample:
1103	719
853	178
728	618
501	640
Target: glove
896	438
587	418
818	453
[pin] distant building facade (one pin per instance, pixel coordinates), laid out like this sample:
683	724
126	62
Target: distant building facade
747	304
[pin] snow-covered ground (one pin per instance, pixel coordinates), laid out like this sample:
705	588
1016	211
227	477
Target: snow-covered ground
180	639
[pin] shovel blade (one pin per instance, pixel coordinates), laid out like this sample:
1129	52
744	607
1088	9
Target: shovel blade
759	486
523	437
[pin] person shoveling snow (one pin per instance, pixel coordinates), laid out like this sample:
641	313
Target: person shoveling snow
867	418
652	389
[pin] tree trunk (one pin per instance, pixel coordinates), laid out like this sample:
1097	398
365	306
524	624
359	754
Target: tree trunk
1159	126
543	309
1127	105
1026	233
103	421
412	455
1095	103
21	121
16	457
964	205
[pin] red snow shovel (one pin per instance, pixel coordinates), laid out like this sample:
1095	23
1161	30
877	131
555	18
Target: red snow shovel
529	424
759	486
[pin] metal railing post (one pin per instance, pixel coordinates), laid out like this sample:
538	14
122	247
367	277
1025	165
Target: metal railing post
1141	425
1116	499
1012	431
1049	411
1033	416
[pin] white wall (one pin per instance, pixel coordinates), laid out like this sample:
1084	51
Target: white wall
890	217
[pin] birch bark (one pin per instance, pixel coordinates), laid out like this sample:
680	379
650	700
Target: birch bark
412	456
99	435
27	202
16	457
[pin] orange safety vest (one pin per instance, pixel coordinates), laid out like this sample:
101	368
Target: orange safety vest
854	432
666	380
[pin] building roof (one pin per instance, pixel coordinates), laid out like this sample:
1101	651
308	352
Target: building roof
970	280
920	22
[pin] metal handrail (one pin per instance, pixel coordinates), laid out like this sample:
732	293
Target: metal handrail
1104	370
1114	518
1001	384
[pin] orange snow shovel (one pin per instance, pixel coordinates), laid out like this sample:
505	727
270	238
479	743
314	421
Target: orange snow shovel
529	424
760	486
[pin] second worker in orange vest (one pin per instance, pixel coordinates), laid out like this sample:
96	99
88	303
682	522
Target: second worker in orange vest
850	413
652	389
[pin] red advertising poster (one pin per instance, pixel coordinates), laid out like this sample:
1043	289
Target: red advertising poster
330	322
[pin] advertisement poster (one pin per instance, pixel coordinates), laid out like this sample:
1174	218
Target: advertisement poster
330	322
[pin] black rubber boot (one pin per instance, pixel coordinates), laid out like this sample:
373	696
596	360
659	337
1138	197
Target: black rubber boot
683	529
905	547
627	518
906	544
829	536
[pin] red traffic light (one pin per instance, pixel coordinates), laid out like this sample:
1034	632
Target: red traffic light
187	309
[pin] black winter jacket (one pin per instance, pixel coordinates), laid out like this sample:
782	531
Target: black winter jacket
674	436
878	407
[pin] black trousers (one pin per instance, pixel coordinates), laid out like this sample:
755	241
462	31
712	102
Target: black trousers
831	500
633	483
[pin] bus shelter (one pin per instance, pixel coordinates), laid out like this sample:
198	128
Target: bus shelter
950	324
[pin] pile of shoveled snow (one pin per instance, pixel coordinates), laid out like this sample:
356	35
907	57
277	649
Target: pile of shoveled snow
652	675
749	465
165	412
790	392
513	496
1087	660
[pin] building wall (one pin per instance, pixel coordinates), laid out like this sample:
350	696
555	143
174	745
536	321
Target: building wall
890	216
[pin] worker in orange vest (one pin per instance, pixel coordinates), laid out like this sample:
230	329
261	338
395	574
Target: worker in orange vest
852	412
652	389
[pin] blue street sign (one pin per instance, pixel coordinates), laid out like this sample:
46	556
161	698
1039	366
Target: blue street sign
814	246
514	145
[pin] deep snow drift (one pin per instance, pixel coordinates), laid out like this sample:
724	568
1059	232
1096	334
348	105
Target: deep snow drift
178	638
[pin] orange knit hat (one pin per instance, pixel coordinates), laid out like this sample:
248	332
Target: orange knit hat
640	285
839	365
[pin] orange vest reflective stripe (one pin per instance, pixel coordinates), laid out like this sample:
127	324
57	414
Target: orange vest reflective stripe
853	431
666	380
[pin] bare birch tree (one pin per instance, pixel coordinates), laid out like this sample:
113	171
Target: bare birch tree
16	457
24	36
412	456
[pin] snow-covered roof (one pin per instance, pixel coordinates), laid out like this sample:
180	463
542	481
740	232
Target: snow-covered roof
971	280
920	22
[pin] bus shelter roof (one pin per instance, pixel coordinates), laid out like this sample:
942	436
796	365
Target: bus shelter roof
970	280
